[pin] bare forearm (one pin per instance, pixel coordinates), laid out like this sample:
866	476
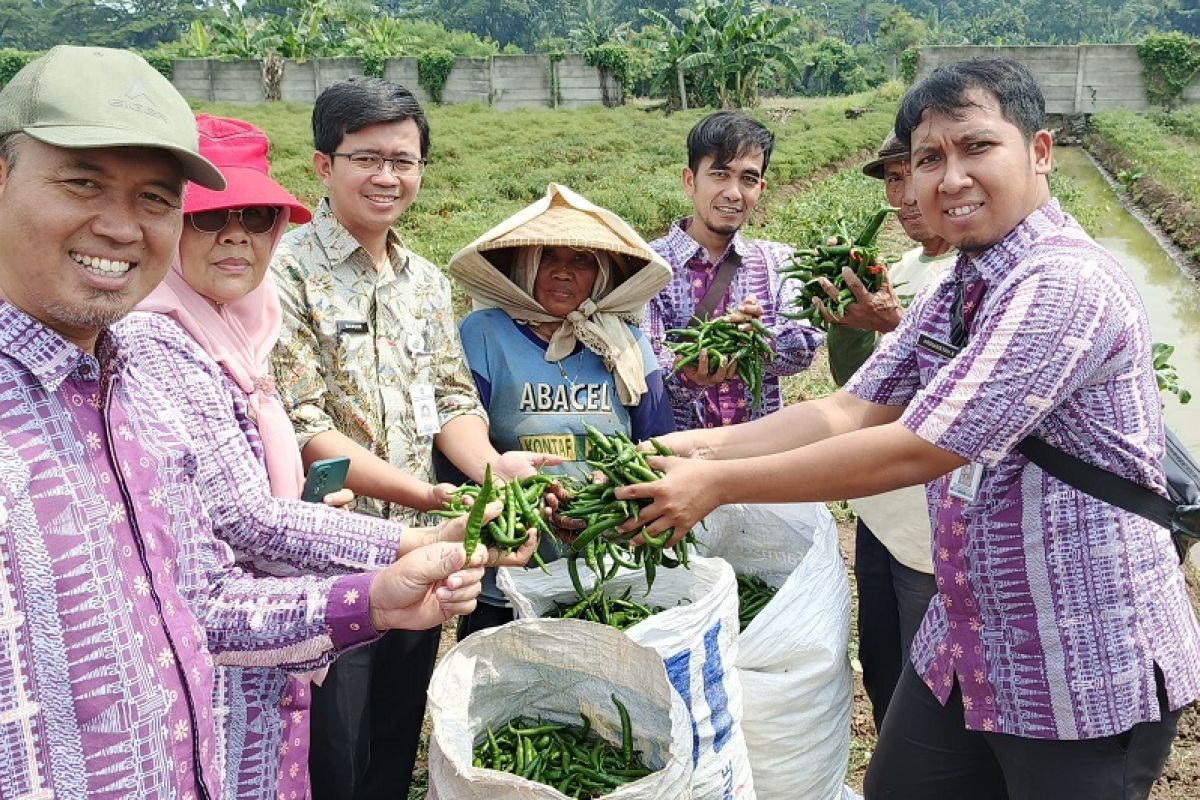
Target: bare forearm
464	440
854	464
369	474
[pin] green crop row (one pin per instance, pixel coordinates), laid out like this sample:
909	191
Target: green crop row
1183	121
485	165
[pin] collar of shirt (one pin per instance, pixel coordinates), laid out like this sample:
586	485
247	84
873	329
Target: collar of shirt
340	244
999	259
684	250
49	357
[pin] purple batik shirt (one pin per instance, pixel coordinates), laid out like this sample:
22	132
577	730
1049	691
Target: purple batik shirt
692	273
113	589
1053	607
264	714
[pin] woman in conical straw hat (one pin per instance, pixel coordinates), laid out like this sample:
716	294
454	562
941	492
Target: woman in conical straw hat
559	289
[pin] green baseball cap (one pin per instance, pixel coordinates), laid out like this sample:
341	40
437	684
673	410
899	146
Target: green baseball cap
82	97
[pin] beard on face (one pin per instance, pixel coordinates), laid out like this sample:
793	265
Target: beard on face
94	310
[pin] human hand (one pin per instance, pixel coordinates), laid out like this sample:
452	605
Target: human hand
436	496
746	310
522	464
342	498
685	494
698	373
871	311
426	587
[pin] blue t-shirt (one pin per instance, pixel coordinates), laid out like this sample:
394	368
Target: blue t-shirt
538	405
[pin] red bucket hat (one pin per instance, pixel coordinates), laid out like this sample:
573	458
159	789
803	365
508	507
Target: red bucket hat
240	151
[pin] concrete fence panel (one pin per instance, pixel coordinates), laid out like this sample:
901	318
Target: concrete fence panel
470	81
1076	79
404	72
237	81
521	82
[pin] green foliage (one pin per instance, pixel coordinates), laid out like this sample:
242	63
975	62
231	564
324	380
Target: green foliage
1169	63
1165	374
627	64
433	68
163	60
11	62
908	64
833	68
1183	121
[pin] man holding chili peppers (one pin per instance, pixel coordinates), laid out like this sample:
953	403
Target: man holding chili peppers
728	154
1061	646
893	570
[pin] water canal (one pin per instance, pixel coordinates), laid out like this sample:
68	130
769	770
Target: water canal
1172	298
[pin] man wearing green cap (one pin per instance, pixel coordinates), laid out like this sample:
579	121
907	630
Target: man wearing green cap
114	592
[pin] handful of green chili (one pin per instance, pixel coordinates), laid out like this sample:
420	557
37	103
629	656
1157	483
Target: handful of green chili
753	595
826	260
748	344
524	509
571	758
603	548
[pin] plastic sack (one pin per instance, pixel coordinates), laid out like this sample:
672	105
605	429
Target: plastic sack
554	669
792	658
697	638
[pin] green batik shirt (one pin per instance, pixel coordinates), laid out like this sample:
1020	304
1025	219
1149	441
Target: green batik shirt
355	340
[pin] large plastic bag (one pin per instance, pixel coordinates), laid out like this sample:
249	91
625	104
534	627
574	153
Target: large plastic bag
554	669
792	659
697	638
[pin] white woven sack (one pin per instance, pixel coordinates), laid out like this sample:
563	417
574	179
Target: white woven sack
792	659
553	669
697	642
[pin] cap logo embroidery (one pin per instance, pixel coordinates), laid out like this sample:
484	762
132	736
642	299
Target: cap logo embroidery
138	99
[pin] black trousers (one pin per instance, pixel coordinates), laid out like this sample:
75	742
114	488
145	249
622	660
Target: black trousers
925	752
892	600
483	617
367	716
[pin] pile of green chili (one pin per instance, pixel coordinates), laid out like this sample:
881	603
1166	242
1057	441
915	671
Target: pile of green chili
826	260
620	612
753	595
602	547
747	344
572	759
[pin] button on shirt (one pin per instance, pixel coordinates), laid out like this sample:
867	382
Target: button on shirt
692	273
355	340
113	590
1053	607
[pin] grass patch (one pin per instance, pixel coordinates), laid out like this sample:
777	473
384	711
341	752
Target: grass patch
1182	121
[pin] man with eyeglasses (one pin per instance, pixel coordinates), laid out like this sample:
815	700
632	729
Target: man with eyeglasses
370	366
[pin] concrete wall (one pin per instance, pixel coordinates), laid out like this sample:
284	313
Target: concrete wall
501	81
303	81
521	82
1076	79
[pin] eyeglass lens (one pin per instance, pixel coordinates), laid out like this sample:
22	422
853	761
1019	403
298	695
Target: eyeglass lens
255	219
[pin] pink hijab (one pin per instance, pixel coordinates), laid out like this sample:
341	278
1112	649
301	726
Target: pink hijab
240	335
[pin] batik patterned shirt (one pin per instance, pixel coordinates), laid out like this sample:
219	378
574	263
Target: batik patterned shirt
113	589
356	340
692	273
263	715
1053	607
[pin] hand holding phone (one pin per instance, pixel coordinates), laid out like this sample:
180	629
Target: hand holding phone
325	476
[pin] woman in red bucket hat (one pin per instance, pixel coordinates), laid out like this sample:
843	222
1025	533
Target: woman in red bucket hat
219	295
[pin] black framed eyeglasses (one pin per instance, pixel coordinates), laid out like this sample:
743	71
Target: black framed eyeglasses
368	161
255	219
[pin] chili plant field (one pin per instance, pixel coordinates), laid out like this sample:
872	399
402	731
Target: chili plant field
485	165
1157	158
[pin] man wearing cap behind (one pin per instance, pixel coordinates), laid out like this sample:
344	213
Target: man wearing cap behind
370	366
893	569
114	591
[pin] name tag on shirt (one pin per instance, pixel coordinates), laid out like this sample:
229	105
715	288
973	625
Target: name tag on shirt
964	481
936	346
349	327
425	409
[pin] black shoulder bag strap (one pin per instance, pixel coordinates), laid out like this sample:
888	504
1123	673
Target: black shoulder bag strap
716	290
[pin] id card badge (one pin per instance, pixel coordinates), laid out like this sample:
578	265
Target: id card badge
964	481
425	409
